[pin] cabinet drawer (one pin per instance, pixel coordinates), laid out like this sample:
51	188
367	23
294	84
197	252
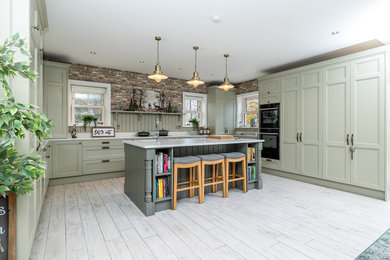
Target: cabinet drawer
270	163
103	142
103	152
270	99
103	165
268	88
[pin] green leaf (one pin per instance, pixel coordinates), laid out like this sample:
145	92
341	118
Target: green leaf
15	37
13	110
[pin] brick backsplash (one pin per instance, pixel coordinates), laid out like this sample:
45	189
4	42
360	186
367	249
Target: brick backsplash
123	82
247	86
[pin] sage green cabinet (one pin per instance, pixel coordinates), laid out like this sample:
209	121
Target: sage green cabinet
55	81
67	159
221	110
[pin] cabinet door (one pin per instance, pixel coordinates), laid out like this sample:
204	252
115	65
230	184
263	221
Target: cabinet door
367	121
67	159
336	98
230	111
55	99
289	148
310	123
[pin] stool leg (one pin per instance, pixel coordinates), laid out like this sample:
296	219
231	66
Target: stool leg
244	189
201	182
226	178
174	187
224	184
234	174
190	179
214	188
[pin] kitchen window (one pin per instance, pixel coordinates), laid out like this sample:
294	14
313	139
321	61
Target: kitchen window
248	110
89	98
194	106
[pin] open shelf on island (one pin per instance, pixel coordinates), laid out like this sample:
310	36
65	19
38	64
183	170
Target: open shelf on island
162	199
162	172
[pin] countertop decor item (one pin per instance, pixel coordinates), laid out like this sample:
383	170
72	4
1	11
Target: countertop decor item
87	119
157	74
143	134
74	131
195	123
103	131
195	81
226	84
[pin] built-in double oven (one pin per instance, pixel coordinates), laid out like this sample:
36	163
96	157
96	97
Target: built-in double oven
269	130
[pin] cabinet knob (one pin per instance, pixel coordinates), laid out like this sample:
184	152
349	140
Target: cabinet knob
47	156
80	143
268	92
36	27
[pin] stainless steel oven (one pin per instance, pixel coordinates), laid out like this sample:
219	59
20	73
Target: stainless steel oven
269	130
270	145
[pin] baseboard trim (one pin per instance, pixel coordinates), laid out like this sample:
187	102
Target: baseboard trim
329	184
83	178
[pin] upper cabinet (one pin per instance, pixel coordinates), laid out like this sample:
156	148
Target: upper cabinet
55	97
221	110
333	119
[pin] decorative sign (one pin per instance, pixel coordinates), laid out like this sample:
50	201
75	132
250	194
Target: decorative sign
103	132
4	227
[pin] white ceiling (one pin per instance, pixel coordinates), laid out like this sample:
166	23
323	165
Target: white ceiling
258	34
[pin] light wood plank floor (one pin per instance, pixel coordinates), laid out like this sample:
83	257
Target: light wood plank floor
285	220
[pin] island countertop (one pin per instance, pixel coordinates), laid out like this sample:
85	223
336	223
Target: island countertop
166	143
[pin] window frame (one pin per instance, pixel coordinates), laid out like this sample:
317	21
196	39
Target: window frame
242	108
202	110
106	113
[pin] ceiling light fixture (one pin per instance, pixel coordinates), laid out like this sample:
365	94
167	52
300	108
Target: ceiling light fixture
157	74
195	81
226	84
92	52
335	33
216	19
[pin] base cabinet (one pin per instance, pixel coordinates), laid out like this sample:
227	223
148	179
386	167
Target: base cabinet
333	119
67	159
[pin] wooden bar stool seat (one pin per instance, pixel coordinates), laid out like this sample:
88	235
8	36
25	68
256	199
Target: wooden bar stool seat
191	163
233	177
213	160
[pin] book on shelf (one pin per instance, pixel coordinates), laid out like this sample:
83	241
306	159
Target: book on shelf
251	172
162	163
162	187
251	154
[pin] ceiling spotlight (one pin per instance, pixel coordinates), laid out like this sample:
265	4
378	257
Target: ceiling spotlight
180	68
141	61
211	74
216	19
335	33
92	52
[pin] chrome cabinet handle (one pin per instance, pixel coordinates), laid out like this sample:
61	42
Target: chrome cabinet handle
104	161
300	137
347	139
352	139
297	137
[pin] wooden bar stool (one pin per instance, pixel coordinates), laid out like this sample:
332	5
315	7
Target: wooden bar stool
235	158
214	160
191	163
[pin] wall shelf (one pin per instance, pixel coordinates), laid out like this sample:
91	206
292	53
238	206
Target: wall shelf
145	113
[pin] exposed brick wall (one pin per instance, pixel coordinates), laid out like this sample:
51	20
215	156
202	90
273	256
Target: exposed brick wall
123	82
247	86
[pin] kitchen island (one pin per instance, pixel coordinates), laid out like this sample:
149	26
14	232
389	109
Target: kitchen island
142	177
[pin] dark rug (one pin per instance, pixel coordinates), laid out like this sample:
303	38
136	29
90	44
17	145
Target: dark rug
379	250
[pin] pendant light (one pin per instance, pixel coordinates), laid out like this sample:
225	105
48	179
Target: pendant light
195	81
226	84
157	74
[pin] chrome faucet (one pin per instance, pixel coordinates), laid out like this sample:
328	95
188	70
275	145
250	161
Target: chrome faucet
157	127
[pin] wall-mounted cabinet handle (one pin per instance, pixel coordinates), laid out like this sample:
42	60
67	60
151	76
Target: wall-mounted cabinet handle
105	142
105	161
268	160
300	137
297	137
36	28
347	139
105	147
47	156
352	139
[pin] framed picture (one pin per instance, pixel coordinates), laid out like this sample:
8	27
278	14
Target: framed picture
103	131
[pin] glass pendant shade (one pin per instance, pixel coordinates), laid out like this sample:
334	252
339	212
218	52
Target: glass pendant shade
226	84
157	74
195	81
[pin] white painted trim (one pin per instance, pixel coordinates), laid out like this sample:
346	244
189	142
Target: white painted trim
203	108
240	107
107	101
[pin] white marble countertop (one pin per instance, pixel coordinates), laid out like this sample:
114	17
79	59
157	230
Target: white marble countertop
166	143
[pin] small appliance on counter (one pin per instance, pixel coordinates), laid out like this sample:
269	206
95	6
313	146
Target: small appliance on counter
163	132
143	134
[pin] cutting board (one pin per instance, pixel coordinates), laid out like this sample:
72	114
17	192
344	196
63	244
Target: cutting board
221	137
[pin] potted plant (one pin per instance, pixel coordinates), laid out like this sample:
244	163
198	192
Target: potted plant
87	119
195	123
95	119
18	171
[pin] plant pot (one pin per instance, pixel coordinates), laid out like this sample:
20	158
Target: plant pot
8	226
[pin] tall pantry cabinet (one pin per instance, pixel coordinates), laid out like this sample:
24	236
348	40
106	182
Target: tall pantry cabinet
333	122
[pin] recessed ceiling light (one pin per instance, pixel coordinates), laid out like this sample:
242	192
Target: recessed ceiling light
92	52
216	19
211	74
141	61
180	68
335	33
